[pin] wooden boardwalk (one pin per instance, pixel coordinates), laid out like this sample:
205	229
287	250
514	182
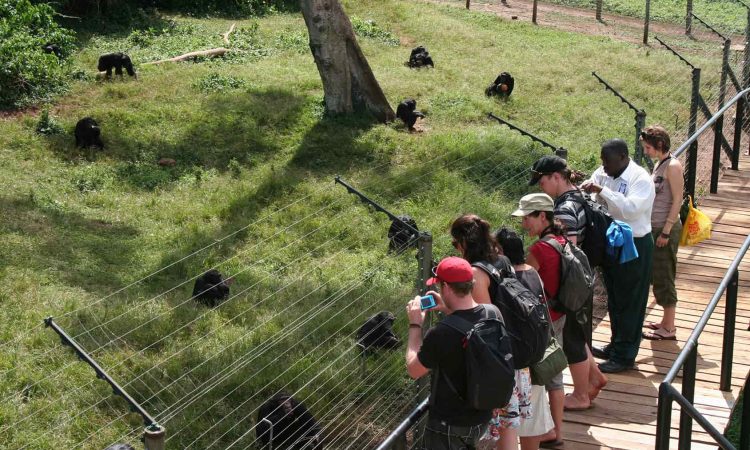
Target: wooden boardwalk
624	415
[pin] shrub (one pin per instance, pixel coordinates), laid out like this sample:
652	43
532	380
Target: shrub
368	28
215	82
27	73
47	125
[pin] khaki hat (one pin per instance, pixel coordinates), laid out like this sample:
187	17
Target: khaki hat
534	202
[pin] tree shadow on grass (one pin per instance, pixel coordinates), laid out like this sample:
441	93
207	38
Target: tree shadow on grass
83	252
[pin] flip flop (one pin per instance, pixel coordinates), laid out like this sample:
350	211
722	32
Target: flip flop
652	326
554	443
653	336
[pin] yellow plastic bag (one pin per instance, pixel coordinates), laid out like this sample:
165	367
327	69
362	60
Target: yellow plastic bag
697	226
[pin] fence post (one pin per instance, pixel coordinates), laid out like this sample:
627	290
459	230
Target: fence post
424	257
640	123
599	10
468	3
533	13
727	349
688	391
688	18
663	417
719	125
692	157
153	437
646	22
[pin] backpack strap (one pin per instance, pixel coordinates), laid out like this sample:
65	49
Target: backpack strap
493	272
552	242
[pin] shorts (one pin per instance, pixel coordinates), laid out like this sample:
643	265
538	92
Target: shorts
439	435
574	341
541	422
519	407
556	383
664	267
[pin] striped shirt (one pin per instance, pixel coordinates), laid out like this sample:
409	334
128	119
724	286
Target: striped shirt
572	215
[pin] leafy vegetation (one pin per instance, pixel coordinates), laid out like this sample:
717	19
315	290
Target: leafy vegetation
109	242
368	28
27	73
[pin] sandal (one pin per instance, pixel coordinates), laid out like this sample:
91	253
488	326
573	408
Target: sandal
656	336
652	326
553	443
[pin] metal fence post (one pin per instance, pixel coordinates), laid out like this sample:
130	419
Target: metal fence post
688	18
424	257
599	10
640	123
646	22
533	13
153	437
719	126
692	157
738	124
688	391
663	417
730	320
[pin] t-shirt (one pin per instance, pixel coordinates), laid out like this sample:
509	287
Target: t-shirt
549	269
442	347
572	214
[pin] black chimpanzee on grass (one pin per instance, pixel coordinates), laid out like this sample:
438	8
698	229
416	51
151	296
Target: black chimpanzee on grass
401	237
291	425
420	57
117	61
407	112
88	134
211	288
377	332
502	87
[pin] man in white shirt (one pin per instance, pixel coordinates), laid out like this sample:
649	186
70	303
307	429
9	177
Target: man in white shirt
628	192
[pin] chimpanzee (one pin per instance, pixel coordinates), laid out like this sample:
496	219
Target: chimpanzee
401	237
210	288
120	447
502	87
116	61
377	332
291	425
407	111
88	134
52	49
420	57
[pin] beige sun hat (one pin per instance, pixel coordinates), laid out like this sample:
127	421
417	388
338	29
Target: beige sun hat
534	202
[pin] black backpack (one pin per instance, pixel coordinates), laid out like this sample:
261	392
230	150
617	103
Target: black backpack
525	316
490	373
595	238
576	277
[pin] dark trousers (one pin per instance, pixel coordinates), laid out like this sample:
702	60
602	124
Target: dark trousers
439	435
627	291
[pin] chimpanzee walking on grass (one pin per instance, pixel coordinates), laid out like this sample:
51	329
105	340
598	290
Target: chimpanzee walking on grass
117	61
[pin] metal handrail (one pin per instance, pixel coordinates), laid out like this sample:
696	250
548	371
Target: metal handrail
687	358
404	426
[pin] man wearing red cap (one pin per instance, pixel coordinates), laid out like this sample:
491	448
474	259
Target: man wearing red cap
451	423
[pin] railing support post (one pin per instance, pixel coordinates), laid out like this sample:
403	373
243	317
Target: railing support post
738	124
727	350
719	126
692	157
646	22
663	417
640	123
688	391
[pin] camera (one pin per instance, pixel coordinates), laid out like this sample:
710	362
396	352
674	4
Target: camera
427	302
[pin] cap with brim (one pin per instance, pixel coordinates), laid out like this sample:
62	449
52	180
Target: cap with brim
534	202
546	165
452	270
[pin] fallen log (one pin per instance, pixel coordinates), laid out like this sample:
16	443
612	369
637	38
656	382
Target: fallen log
212	53
226	35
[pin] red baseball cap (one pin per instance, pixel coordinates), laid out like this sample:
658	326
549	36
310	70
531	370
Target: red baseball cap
452	270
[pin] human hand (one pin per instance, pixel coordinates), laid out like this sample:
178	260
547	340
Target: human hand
591	187
414	311
662	241
441	306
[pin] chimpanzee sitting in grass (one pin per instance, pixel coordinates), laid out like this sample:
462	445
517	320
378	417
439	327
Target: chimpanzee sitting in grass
291	425
211	288
117	61
502	87
377	332
88	134
419	57
407	112
401	236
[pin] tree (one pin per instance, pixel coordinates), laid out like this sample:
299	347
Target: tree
348	82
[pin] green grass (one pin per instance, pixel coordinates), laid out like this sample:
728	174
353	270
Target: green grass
255	153
733	431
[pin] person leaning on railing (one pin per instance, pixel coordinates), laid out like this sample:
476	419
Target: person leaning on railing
666	228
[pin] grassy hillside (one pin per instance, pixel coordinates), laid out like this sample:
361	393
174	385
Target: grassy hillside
108	243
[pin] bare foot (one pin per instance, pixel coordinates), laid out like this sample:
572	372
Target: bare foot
572	403
594	389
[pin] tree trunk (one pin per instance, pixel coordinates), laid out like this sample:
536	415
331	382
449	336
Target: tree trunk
348	82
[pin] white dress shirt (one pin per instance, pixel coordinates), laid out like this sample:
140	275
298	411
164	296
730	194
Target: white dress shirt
629	197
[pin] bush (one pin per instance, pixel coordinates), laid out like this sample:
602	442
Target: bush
368	28
27	73
47	125
215	82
